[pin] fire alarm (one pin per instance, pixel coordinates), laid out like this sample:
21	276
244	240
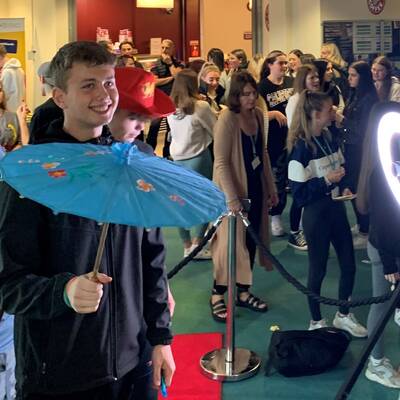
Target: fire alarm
376	6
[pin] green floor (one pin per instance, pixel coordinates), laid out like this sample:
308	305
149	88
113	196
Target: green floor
288	309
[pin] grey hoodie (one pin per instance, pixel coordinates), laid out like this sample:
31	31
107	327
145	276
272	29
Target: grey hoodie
12	78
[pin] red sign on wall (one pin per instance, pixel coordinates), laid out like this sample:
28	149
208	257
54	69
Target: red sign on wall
194	48
247	35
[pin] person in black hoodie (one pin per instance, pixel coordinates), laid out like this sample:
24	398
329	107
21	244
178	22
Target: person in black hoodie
276	88
354	122
47	112
376	199
77	337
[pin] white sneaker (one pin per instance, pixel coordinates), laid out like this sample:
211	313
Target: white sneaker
187	251
384	373
276	226
350	324
317	324
397	316
360	241
354	229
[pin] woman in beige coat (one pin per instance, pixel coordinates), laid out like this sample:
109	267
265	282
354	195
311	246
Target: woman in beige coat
242	170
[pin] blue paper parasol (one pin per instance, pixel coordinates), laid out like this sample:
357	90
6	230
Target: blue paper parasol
117	184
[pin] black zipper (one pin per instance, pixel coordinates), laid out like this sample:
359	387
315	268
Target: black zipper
46	355
113	302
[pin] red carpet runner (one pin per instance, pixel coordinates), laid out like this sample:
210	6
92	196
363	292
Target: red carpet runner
188	382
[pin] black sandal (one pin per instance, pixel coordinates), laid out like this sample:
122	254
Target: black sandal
252	303
218	308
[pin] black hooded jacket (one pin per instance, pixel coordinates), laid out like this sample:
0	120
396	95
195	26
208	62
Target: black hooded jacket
58	350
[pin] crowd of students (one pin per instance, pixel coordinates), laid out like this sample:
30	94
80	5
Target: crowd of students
259	128
306	135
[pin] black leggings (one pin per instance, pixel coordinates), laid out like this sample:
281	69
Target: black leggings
280	172
153	133
295	217
325	222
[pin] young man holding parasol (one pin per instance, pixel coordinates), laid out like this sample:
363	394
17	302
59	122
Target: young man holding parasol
77	337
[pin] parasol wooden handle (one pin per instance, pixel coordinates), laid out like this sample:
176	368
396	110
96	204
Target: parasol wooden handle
100	249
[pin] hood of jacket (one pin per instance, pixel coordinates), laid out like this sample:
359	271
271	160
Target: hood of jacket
12	63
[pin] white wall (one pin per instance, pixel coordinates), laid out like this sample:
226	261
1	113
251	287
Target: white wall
356	10
294	24
223	24
49	19
298	23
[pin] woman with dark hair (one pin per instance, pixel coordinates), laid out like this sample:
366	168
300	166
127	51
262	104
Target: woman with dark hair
375	199
354	122
328	85
306	78
330	52
237	61
217	57
242	170
387	85
294	58
276	88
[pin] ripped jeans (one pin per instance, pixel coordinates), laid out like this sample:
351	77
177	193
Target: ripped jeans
7	375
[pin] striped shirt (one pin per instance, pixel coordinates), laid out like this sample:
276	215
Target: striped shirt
307	170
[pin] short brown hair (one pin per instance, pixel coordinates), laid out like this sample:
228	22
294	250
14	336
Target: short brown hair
85	52
126	42
185	91
238	82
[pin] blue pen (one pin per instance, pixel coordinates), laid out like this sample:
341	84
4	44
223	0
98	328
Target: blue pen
163	387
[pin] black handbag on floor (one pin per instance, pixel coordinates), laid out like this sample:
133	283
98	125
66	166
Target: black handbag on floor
300	353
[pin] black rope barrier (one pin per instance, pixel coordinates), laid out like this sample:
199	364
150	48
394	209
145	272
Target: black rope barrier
195	251
299	286
281	269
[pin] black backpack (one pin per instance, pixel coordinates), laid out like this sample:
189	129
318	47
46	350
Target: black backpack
300	353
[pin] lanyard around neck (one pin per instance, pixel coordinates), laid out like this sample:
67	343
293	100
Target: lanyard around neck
329	153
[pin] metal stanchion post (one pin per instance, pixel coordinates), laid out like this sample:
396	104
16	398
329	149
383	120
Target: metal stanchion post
230	364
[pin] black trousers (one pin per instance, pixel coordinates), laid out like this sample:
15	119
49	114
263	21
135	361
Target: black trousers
153	133
353	157
325	222
135	385
280	171
295	217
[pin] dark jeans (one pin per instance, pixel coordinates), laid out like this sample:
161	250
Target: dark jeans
325	222
153	133
135	385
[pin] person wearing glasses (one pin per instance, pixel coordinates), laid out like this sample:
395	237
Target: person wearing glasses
276	88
